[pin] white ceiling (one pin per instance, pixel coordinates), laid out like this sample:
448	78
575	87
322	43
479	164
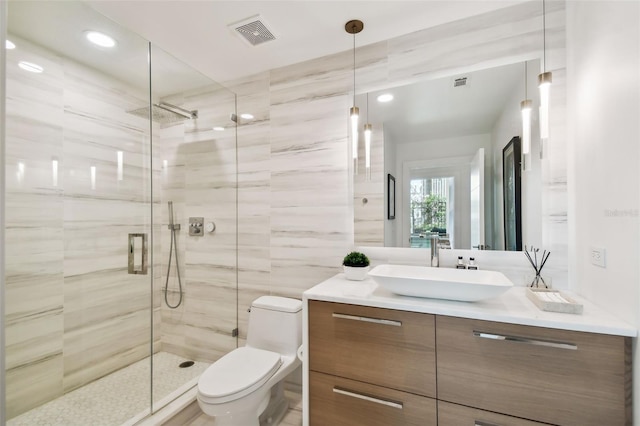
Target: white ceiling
197	32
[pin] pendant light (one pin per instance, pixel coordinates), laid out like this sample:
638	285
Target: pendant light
367	143
544	81
525	109
354	27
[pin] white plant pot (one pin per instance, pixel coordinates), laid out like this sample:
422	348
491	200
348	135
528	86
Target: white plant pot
355	273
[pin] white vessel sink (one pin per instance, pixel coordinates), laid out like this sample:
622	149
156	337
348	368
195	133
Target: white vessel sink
441	283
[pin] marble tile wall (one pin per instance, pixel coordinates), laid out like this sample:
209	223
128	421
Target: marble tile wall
34	322
200	179
254	194
106	310
73	312
304	179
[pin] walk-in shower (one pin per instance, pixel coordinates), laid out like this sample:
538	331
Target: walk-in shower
173	228
82	175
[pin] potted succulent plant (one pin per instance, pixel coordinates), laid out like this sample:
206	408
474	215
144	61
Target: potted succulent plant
356	266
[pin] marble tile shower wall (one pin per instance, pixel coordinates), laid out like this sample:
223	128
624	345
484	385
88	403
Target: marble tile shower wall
73	313
295	214
200	179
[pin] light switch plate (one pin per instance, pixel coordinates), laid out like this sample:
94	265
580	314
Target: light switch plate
598	256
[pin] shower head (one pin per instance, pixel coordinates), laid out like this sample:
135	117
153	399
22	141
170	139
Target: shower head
165	113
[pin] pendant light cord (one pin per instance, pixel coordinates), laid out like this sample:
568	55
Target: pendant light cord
354	65
525	80
544	38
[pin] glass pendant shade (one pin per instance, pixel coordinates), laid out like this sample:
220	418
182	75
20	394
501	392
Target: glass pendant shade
525	108
544	84
367	146
354	112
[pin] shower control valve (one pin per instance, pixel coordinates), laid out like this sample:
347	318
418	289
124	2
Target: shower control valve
196	225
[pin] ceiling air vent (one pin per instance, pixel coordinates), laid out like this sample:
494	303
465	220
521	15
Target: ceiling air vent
253	30
460	82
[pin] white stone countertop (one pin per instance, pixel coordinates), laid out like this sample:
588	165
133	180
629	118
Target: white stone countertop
513	307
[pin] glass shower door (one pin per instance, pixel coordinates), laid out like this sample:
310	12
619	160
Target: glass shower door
195	243
78	184
113	304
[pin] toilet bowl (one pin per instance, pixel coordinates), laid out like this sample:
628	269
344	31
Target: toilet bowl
245	387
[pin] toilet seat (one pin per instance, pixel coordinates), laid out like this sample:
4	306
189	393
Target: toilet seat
237	374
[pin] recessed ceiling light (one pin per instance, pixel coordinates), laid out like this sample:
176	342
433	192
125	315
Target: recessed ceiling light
31	67
218	129
246	116
100	39
9	45
385	97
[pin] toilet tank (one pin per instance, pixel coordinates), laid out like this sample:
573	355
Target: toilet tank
275	324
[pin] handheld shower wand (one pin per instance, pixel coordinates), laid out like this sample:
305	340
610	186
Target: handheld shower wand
174	243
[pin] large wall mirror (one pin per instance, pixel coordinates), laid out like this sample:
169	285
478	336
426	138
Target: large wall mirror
442	140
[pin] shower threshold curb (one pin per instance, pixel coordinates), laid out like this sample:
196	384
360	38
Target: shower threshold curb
171	406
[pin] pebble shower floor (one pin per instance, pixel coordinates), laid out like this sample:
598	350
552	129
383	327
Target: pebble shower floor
113	399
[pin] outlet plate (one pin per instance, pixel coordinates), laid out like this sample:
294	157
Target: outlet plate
598	256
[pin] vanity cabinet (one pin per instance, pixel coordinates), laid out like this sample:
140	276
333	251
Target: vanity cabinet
370	366
547	375
459	415
337	401
377	366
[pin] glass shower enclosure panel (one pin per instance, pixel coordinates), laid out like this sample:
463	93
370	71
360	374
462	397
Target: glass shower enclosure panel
121	221
194	232
78	219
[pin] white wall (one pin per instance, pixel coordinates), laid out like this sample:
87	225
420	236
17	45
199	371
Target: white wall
603	105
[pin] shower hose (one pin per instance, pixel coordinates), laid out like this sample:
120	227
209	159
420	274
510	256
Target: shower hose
174	243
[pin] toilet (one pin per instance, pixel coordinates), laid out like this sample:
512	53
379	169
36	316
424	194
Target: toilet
246	386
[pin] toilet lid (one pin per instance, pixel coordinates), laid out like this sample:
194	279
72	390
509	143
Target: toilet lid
239	370
277	303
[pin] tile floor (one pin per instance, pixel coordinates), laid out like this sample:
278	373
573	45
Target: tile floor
113	399
292	418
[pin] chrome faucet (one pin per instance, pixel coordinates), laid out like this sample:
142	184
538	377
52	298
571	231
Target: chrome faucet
435	253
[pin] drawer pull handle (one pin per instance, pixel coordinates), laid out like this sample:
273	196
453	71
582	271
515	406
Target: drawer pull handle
368	398
536	342
367	319
481	423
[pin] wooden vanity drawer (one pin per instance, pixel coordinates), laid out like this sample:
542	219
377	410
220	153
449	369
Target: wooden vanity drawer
390	348
547	375
459	415
335	401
